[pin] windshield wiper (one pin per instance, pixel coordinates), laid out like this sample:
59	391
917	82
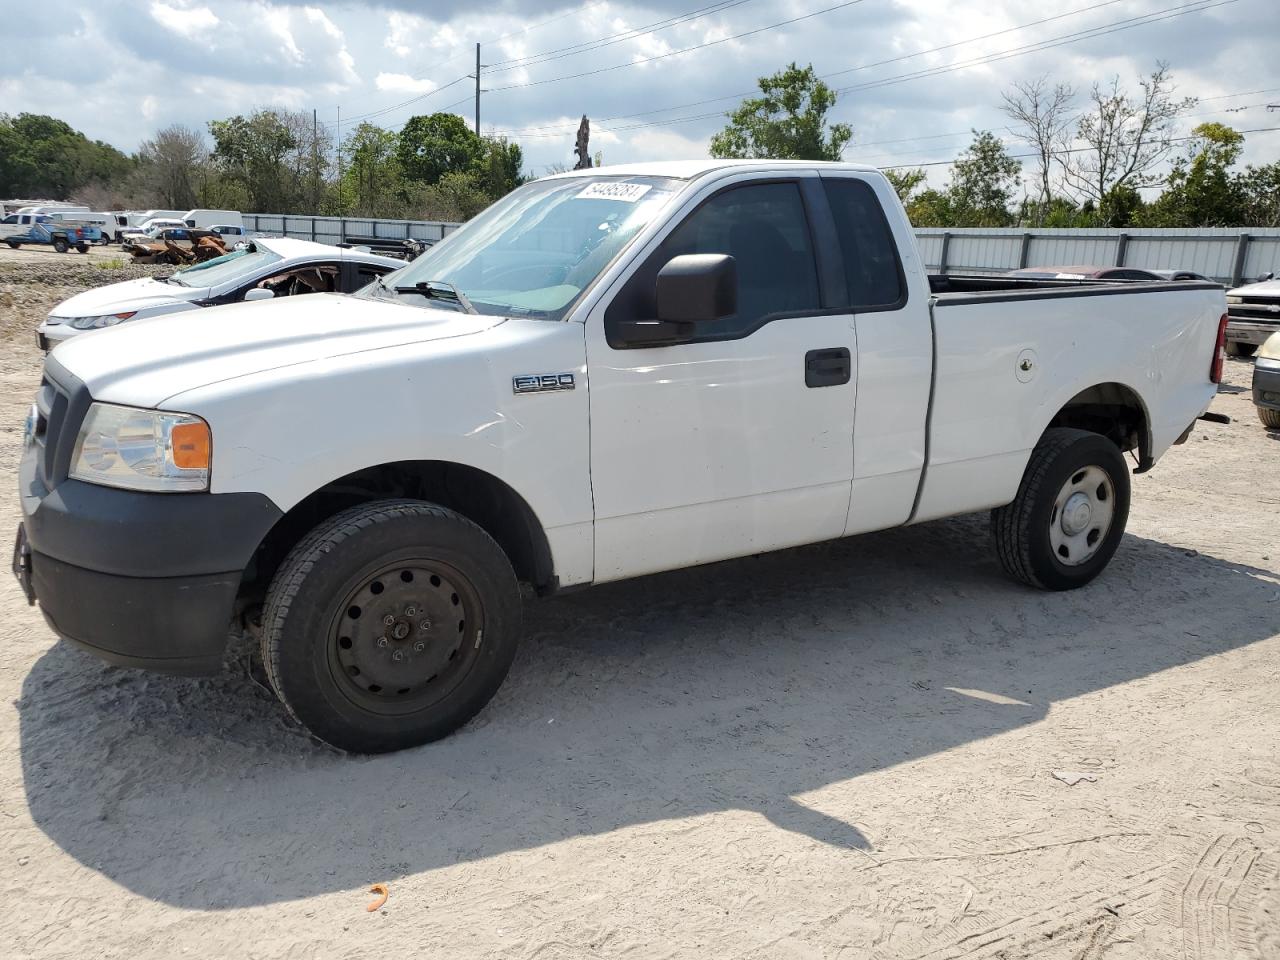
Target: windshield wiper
439	290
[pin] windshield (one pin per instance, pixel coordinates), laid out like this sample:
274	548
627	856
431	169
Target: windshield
229	266
535	250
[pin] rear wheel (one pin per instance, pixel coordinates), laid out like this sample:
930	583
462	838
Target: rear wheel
61	245
1070	512
1236	348
392	624
1269	417
82	247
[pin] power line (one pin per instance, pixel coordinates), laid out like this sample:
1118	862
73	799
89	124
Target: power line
825	76
676	53
1116	26
1056	153
590	46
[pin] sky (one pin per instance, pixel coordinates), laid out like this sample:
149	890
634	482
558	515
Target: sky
655	76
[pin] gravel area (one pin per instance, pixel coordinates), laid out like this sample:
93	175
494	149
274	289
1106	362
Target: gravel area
878	747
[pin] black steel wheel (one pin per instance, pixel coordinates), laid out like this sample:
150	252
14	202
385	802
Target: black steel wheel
402	638
390	625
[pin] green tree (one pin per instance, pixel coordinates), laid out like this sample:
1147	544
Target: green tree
905	182
432	146
41	156
1201	190
372	183
788	122
499	169
984	179
254	151
1260	196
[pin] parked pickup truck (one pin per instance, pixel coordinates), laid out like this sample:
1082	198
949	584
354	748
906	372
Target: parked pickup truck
1254	316
19	230
606	374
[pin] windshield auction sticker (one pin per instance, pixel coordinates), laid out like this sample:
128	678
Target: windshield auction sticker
613	190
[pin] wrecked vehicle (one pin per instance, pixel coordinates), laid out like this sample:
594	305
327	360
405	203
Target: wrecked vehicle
261	270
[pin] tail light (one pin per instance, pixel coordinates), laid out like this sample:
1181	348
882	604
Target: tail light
1219	350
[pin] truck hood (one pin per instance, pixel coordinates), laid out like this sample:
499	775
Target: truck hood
126	297
1264	288
144	362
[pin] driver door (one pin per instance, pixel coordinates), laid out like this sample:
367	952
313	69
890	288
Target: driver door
739	440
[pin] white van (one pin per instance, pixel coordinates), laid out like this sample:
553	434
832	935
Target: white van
208	219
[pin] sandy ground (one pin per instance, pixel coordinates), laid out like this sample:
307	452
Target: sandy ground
846	750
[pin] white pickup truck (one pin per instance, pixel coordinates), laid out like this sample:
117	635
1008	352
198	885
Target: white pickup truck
606	374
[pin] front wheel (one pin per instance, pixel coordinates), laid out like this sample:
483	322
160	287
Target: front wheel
1067	520
392	624
1269	417
13	244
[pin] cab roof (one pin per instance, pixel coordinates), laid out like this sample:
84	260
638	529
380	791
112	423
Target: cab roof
692	169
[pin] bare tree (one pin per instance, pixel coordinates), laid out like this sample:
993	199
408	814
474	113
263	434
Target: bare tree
172	164
1042	119
1124	137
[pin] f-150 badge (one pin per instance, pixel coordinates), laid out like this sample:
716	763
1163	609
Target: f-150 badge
541	382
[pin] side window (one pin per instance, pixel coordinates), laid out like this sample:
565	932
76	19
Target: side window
11	218
364	274
764	228
867	249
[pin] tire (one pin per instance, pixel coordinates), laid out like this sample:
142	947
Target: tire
1068	518
1270	418
13	245
336	662
61	246
82	247
1237	349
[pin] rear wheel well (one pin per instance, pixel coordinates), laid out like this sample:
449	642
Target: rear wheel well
480	497
1116	412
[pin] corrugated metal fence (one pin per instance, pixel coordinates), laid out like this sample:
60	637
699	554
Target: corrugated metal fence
1230	255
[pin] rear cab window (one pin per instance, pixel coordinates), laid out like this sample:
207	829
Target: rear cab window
872	269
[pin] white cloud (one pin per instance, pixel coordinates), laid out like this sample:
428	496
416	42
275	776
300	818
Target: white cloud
186	21
403	83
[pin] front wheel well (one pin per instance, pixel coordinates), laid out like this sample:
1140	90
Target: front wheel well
480	497
1116	412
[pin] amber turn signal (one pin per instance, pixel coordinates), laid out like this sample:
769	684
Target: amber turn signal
191	446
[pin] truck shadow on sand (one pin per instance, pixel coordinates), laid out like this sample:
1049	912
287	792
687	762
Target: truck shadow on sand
734	686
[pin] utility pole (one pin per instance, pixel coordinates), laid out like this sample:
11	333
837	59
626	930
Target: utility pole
338	144
315	159
477	89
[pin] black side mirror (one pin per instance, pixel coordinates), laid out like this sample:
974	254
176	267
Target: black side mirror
697	287
690	289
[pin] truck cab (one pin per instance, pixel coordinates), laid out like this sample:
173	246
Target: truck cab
605	374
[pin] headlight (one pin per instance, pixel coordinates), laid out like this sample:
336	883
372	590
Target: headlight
1271	349
97	323
1235	299
142	449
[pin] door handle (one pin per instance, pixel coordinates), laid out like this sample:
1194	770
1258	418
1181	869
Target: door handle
827	368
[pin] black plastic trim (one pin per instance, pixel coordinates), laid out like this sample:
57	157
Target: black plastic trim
1088	288
1266	381
172	624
